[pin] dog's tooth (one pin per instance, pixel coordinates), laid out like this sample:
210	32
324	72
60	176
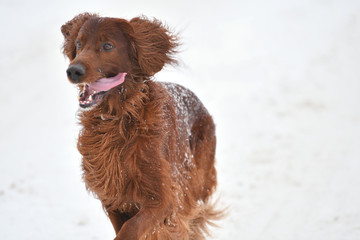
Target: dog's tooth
90	98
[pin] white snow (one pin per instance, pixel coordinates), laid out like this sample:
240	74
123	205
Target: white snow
281	78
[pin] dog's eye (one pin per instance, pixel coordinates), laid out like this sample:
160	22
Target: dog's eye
107	47
78	45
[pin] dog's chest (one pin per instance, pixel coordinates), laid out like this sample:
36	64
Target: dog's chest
102	148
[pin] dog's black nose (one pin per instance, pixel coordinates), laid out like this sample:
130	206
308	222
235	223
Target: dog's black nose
75	72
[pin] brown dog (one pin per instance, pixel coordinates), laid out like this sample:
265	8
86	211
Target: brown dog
148	148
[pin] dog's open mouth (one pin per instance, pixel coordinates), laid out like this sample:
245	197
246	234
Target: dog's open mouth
93	93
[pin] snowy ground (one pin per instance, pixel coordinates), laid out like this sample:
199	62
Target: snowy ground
281	78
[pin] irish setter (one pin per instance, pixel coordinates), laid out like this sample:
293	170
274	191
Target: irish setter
147	147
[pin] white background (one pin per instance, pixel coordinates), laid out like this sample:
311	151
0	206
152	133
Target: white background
281	79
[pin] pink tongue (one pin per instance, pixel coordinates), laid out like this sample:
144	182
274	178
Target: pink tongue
105	84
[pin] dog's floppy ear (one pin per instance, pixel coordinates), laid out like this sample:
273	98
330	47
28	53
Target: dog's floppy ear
70	30
154	44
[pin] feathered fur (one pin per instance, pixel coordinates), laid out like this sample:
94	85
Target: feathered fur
148	148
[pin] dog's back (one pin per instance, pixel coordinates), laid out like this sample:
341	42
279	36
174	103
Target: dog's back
196	141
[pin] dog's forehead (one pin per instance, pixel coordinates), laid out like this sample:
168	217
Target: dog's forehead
90	26
99	27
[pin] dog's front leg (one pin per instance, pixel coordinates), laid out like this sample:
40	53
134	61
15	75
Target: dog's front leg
145	220
117	219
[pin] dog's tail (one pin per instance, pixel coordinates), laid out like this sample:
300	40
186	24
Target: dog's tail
192	226
206	216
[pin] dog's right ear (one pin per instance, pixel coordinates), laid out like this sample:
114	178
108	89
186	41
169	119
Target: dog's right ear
154	43
70	31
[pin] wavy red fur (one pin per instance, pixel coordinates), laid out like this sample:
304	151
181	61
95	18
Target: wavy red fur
148	148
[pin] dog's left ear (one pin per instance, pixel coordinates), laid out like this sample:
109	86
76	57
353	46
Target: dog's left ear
154	45
70	31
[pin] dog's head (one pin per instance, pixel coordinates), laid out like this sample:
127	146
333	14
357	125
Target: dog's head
104	52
